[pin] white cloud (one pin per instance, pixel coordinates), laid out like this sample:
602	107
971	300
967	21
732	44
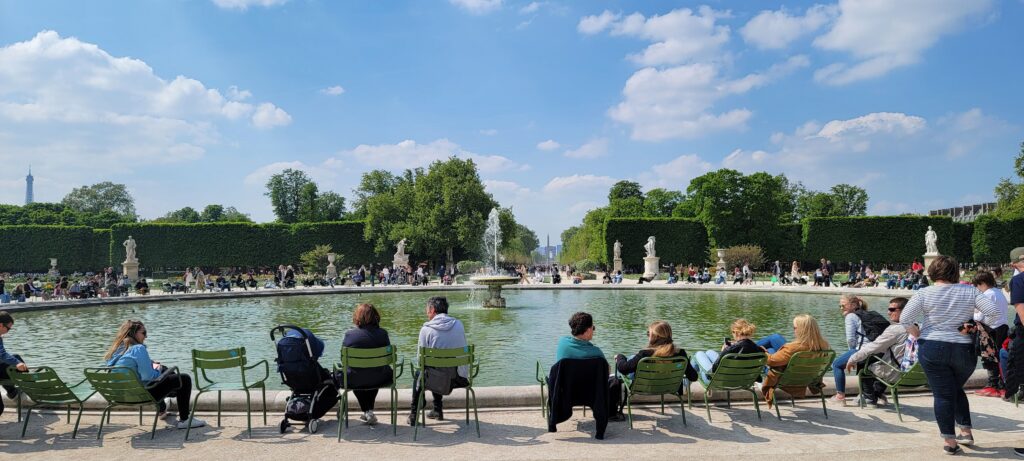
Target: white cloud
777	29
676	173
878	122
677	102
548	145
489	132
477	6
242	5
333	90
579	183
883	35
591	149
410	154
531	8
236	94
965	132
268	116
505	191
591	25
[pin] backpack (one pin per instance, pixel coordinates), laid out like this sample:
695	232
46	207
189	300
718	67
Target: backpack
872	322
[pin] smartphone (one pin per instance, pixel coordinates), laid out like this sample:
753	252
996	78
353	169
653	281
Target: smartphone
728	342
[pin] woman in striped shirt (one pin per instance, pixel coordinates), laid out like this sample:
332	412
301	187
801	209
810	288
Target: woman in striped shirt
945	352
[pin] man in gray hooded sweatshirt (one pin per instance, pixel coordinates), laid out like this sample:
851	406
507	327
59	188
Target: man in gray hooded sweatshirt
441	332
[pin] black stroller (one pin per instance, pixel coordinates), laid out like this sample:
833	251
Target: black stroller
314	391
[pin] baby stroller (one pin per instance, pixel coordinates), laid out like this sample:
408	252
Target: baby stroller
314	391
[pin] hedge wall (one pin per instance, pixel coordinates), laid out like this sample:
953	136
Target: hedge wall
29	248
176	246
993	238
100	255
962	235
790	245
877	239
678	240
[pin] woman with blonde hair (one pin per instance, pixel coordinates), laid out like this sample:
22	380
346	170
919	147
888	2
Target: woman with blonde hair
742	330
808	338
128	350
855	335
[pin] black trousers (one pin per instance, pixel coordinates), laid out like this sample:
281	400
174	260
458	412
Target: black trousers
181	385
366	399
994	379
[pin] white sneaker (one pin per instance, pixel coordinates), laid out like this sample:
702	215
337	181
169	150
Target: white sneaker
196	422
368	418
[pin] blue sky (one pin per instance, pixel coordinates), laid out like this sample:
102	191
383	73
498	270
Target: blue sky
198	102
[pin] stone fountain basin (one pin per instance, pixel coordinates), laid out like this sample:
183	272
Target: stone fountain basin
494	280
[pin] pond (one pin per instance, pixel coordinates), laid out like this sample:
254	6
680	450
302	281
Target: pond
508	341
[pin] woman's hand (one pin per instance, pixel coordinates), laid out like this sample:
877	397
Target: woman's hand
619	355
851	366
21	367
156	365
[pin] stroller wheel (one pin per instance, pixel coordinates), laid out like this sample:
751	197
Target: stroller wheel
313	426
284	426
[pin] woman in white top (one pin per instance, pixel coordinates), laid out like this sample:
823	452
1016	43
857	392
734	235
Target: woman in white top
985	282
945	352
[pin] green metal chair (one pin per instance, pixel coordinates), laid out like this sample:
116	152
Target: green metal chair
912	378
44	387
735	372
205	361
369	358
17	399
120	386
542	379
805	369
657	376
441	358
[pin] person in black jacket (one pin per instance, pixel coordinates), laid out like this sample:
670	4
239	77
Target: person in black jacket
659	344
367	335
742	331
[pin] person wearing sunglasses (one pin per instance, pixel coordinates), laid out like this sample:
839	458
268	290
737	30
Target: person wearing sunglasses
129	350
892	344
7	359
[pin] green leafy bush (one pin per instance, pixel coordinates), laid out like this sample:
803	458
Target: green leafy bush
993	238
738	254
468	267
678	240
585	265
875	239
962	235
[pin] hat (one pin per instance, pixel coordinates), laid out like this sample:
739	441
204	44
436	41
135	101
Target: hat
1017	254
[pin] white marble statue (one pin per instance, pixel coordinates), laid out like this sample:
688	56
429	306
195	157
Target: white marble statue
617	250
401	248
649	246
930	242
129	250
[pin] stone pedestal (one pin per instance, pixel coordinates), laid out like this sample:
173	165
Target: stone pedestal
494	299
651	267
928	258
53	268
332	272
721	259
131	269
616	265
400	261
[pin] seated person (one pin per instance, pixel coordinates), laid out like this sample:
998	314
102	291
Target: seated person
128	350
367	334
808	338
577	279
443	332
890	345
579	346
142	287
720	276
742	331
556	278
250	281
7	359
672	278
76	290
737	276
618	277
659	344
606	279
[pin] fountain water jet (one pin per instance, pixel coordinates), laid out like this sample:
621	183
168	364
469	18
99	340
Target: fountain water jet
493	280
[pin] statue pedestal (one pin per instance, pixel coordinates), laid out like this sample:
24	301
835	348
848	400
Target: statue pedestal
928	258
651	267
721	259
616	265
53	268
494	299
400	261
131	269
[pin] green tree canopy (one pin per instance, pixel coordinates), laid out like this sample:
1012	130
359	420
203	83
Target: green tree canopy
104	196
296	198
661	202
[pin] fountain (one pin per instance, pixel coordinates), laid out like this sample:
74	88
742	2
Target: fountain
493	280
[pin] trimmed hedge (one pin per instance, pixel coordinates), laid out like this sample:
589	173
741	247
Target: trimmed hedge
178	245
29	248
99	258
789	247
677	240
993	238
876	239
962	235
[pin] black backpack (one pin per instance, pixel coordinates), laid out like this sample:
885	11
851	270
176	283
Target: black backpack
872	322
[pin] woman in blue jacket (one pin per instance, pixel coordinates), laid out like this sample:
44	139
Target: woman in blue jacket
128	350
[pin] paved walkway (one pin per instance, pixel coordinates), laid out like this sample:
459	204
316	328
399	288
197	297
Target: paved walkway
849	433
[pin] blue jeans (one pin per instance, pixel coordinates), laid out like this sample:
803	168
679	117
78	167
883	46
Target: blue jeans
772	342
1004	357
839	369
947	367
704	361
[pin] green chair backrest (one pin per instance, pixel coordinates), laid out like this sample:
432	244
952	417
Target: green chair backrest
659	375
914	377
352	357
43	386
806	368
118	385
738	371
455	357
203	361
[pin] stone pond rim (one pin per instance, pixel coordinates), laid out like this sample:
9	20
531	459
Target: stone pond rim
493	284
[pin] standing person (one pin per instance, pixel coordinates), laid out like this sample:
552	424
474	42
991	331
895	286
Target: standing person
440	331
986	284
367	334
7	359
947	355
1015	361
129	350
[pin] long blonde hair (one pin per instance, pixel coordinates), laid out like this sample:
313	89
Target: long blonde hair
125	337
659	339
808	334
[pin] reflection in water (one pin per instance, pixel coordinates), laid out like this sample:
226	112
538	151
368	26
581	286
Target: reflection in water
508	341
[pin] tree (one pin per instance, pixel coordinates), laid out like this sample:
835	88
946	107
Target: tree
331	207
284	190
184	215
233	215
104	196
661	203
850	200
373	183
212	213
624	190
308	210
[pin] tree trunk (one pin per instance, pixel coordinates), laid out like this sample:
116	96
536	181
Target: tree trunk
450	263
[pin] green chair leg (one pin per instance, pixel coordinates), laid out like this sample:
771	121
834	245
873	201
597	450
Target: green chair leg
248	413
476	414
105	416
74	433
218	407
263	390
341	422
69	413
777	414
728	399
467	406
195	401
156	417
416	418
629	409
823	407
543	403
896	401
140	414
757	406
682	409
394	411
24	424
707	405
662	403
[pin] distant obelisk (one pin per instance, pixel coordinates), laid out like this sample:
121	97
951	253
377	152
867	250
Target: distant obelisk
28	186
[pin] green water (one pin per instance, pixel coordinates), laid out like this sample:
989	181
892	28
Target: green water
509	341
